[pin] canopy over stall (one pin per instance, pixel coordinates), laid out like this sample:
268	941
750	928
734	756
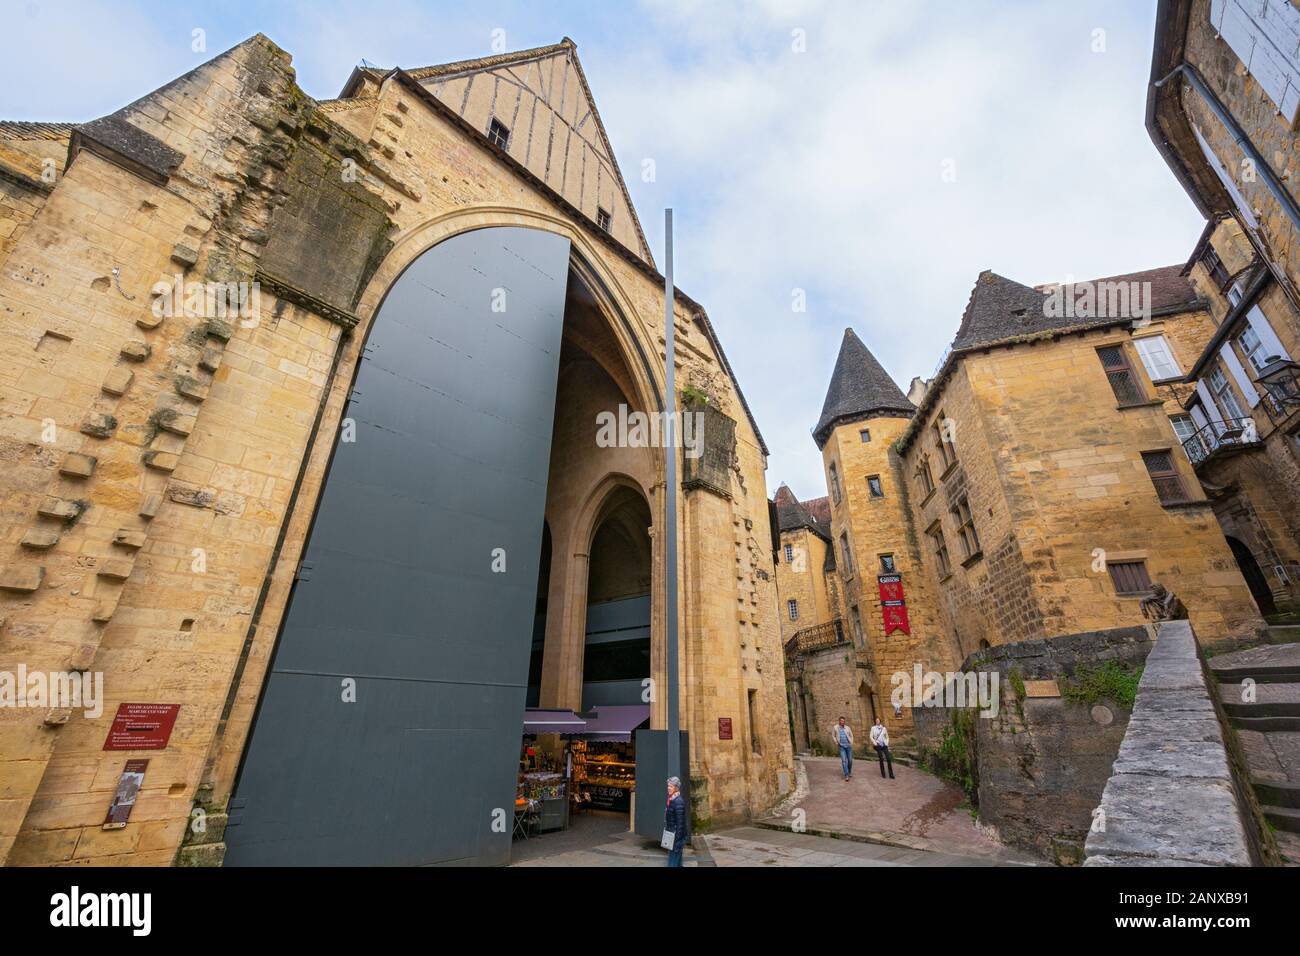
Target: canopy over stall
541	721
615	722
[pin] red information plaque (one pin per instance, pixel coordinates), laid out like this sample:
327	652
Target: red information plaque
724	728
141	726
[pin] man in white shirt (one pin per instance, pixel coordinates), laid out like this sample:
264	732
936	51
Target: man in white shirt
842	734
880	740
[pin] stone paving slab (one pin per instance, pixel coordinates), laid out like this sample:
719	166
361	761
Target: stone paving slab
915	810
1267	655
761	847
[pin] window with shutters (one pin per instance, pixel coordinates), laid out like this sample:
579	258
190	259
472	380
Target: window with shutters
1192	442
793	606
1215	267
940	547
1224	396
1157	358
1253	348
1129	577
1120	374
1265	36
1165	477
499	133
961	514
874	486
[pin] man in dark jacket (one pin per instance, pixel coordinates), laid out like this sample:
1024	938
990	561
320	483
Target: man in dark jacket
675	820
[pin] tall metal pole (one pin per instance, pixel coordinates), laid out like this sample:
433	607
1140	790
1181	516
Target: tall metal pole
670	508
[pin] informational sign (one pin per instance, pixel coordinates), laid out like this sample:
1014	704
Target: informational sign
141	726
893	605
128	785
724	728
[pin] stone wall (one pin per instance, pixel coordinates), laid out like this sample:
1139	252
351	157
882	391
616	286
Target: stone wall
1172	799
181	438
1054	475
1038	768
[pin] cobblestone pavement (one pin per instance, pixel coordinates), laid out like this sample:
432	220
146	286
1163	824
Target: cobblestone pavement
915	810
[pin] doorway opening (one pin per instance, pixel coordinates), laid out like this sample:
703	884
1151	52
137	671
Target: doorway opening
1255	579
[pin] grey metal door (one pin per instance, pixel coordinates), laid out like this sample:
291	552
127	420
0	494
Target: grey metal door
401	593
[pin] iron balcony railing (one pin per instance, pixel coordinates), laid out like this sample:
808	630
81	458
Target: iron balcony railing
1280	395
815	638
1228	435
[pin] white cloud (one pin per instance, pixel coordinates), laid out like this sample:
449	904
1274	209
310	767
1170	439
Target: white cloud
817	170
822	170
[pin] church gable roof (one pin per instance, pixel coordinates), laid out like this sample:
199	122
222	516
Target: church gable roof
542	98
860	387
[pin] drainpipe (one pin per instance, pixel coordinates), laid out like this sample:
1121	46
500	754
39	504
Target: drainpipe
1271	180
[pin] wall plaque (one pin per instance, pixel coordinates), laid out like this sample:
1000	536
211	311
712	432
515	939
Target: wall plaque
141	726
128	785
724	728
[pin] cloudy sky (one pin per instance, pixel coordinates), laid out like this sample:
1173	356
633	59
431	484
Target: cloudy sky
874	155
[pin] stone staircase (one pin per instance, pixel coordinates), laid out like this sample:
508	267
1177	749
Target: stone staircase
1260	692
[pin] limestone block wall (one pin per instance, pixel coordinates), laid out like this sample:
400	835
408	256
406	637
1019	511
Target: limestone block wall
802	580
1039	765
153	538
1075	485
1171	799
1256	113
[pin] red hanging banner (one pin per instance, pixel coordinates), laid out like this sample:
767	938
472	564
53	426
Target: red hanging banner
893	606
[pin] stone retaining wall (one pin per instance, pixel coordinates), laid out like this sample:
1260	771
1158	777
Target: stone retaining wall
1171	799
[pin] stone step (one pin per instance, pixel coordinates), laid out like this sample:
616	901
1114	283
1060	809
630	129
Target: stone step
1284	633
1262	674
1263	709
1288	845
1284	818
1266	724
1277	793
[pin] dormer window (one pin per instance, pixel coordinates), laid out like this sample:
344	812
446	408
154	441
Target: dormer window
499	133
603	219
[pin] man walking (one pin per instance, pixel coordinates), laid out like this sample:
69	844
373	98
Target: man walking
880	740
675	820
842	734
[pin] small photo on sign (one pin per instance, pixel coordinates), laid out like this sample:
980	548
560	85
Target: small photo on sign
128	786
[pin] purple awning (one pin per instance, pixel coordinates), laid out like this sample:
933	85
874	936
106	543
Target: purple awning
615	722
553	722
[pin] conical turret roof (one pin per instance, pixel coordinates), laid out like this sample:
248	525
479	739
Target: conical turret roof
860	388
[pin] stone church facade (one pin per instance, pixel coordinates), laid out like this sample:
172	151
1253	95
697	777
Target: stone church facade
164	468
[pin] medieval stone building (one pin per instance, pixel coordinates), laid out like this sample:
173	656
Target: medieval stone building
1037	486
1221	108
337	520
